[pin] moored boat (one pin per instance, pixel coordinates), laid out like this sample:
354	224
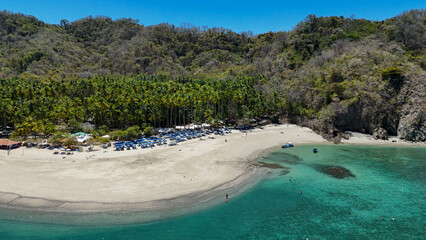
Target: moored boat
288	145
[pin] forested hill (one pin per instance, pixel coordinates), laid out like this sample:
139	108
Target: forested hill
101	46
330	73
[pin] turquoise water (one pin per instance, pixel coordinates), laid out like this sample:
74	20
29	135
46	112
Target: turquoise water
389	181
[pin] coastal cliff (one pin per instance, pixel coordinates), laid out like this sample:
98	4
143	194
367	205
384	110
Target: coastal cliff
412	123
369	92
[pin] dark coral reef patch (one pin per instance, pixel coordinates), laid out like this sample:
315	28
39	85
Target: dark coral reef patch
336	171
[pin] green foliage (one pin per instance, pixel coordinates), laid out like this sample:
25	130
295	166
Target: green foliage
128	134
394	76
101	46
21	24
148	131
56	139
73	125
101	140
411	29
102	130
133	132
336	77
316	33
119	102
118	135
391	72
70	141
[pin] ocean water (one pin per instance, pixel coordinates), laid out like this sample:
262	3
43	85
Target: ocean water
389	181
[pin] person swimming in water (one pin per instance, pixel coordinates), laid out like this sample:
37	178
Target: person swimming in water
300	192
393	218
226	198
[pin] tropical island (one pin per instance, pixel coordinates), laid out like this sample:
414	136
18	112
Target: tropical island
329	79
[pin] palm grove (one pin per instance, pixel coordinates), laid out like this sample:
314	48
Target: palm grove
329	73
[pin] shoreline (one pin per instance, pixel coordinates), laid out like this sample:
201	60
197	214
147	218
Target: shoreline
366	139
65	206
199	170
147	180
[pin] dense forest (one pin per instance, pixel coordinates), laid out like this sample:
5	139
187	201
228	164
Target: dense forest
332	74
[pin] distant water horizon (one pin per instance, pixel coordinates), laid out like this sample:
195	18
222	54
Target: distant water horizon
298	201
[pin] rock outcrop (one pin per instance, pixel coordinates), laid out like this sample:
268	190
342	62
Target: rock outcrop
380	133
412	126
337	172
399	112
412	123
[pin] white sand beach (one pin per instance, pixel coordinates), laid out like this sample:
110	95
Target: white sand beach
188	173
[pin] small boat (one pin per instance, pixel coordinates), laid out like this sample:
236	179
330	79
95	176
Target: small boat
288	145
315	150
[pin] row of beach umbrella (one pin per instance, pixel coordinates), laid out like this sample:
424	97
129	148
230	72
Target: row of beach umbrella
170	139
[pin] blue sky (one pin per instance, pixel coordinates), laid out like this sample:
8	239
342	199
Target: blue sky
239	16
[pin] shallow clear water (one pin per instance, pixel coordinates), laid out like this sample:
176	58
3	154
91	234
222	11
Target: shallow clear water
389	181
